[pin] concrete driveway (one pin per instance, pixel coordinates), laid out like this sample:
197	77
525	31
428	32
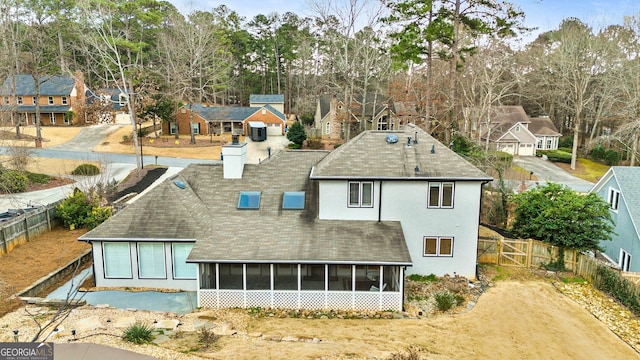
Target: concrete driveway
547	171
88	138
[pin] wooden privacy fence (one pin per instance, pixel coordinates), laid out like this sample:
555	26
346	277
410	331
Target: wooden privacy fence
523	253
19	229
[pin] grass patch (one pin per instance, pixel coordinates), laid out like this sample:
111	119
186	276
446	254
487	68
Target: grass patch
423	278
593	171
37	178
573	280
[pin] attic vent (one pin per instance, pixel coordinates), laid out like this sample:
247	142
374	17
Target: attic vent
179	184
183	111
392	139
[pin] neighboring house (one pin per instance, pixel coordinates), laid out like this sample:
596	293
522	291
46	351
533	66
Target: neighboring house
304	229
621	189
546	133
260	100
108	106
59	95
226	119
512	131
332	114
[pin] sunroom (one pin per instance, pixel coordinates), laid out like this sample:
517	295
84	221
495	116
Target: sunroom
301	286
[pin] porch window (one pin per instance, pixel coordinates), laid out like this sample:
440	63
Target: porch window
116	258
285	277
360	194
440	195
258	277
207	276
613	198
230	276
368	278
64	100
50	100
340	277
391	277
438	246
549	143
312	277
151	261
181	269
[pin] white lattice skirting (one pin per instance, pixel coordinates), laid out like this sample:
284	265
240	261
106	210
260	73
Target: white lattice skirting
315	300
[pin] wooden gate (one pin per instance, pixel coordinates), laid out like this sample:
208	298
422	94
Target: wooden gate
514	252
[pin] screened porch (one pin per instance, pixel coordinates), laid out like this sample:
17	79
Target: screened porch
295	286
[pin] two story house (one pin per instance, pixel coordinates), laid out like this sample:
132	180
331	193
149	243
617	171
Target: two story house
619	187
59	97
303	229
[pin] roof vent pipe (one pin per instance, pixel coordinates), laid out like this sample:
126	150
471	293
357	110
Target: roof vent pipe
415	139
408	141
433	149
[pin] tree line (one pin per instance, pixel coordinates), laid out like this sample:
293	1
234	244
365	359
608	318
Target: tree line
453	59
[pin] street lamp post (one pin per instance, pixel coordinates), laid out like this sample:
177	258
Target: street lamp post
140	141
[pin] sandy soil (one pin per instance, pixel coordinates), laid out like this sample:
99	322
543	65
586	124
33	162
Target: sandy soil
51	135
513	320
33	260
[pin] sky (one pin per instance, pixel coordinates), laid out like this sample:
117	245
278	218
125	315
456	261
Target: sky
544	15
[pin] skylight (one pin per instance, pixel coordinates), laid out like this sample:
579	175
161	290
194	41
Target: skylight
293	200
249	200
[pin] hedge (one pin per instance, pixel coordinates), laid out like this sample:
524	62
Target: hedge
559	156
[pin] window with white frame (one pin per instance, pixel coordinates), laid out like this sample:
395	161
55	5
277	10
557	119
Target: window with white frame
539	145
33	98
173	128
438	246
518	128
613	198
360	194
116	258
625	260
151	261
196	128
182	269
50	99
549	143
440	195
19	100
327	128
65	101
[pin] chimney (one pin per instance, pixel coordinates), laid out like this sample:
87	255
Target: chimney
77	99
235	156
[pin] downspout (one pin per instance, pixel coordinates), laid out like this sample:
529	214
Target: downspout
482	184
380	202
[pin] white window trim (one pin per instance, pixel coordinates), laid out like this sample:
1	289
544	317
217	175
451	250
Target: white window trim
613	198
360	185
438	245
196	128
104	261
173	128
50	100
327	128
440	194
19	100
625	260
65	100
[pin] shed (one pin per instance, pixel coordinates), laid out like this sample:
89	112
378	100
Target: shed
257	131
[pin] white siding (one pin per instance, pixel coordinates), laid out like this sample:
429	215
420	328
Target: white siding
406	201
135	281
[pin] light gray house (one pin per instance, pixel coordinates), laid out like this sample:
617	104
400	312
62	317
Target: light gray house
621	189
304	229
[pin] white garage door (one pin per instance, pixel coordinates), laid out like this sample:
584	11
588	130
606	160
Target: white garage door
508	148
526	150
274	129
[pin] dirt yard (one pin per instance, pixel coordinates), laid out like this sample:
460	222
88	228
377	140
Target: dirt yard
35	259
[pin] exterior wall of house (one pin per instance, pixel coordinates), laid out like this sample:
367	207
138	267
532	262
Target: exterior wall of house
624	237
168	282
184	125
406	201
277	106
269	119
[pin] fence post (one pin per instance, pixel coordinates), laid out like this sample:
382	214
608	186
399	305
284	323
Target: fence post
529	253
4	241
499	248
26	227
47	211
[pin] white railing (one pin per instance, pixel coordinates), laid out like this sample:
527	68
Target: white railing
313	300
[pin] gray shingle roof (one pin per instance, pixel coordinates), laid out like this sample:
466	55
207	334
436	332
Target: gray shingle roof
543	126
275	112
50	85
266	99
503	118
226	113
628	180
369	156
206	210
32	108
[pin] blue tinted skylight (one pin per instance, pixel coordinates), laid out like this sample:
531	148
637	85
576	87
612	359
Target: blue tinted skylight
249	200
293	200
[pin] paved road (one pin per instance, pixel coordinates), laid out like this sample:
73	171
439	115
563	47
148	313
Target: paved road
547	171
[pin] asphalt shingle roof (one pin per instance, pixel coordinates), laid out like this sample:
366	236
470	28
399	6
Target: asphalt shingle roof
369	156
543	126
627	178
219	113
266	99
50	85
206	210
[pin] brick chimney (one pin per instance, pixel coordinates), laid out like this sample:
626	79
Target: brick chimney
234	156
78	99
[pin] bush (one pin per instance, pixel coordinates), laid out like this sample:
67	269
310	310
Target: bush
423	278
539	153
12	181
78	211
207	337
86	170
315	144
138	333
565	142
307	119
597	153
297	134
294	146
503	157
559	156
567	150
37	178
620	288
445	300
611	157
97	216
